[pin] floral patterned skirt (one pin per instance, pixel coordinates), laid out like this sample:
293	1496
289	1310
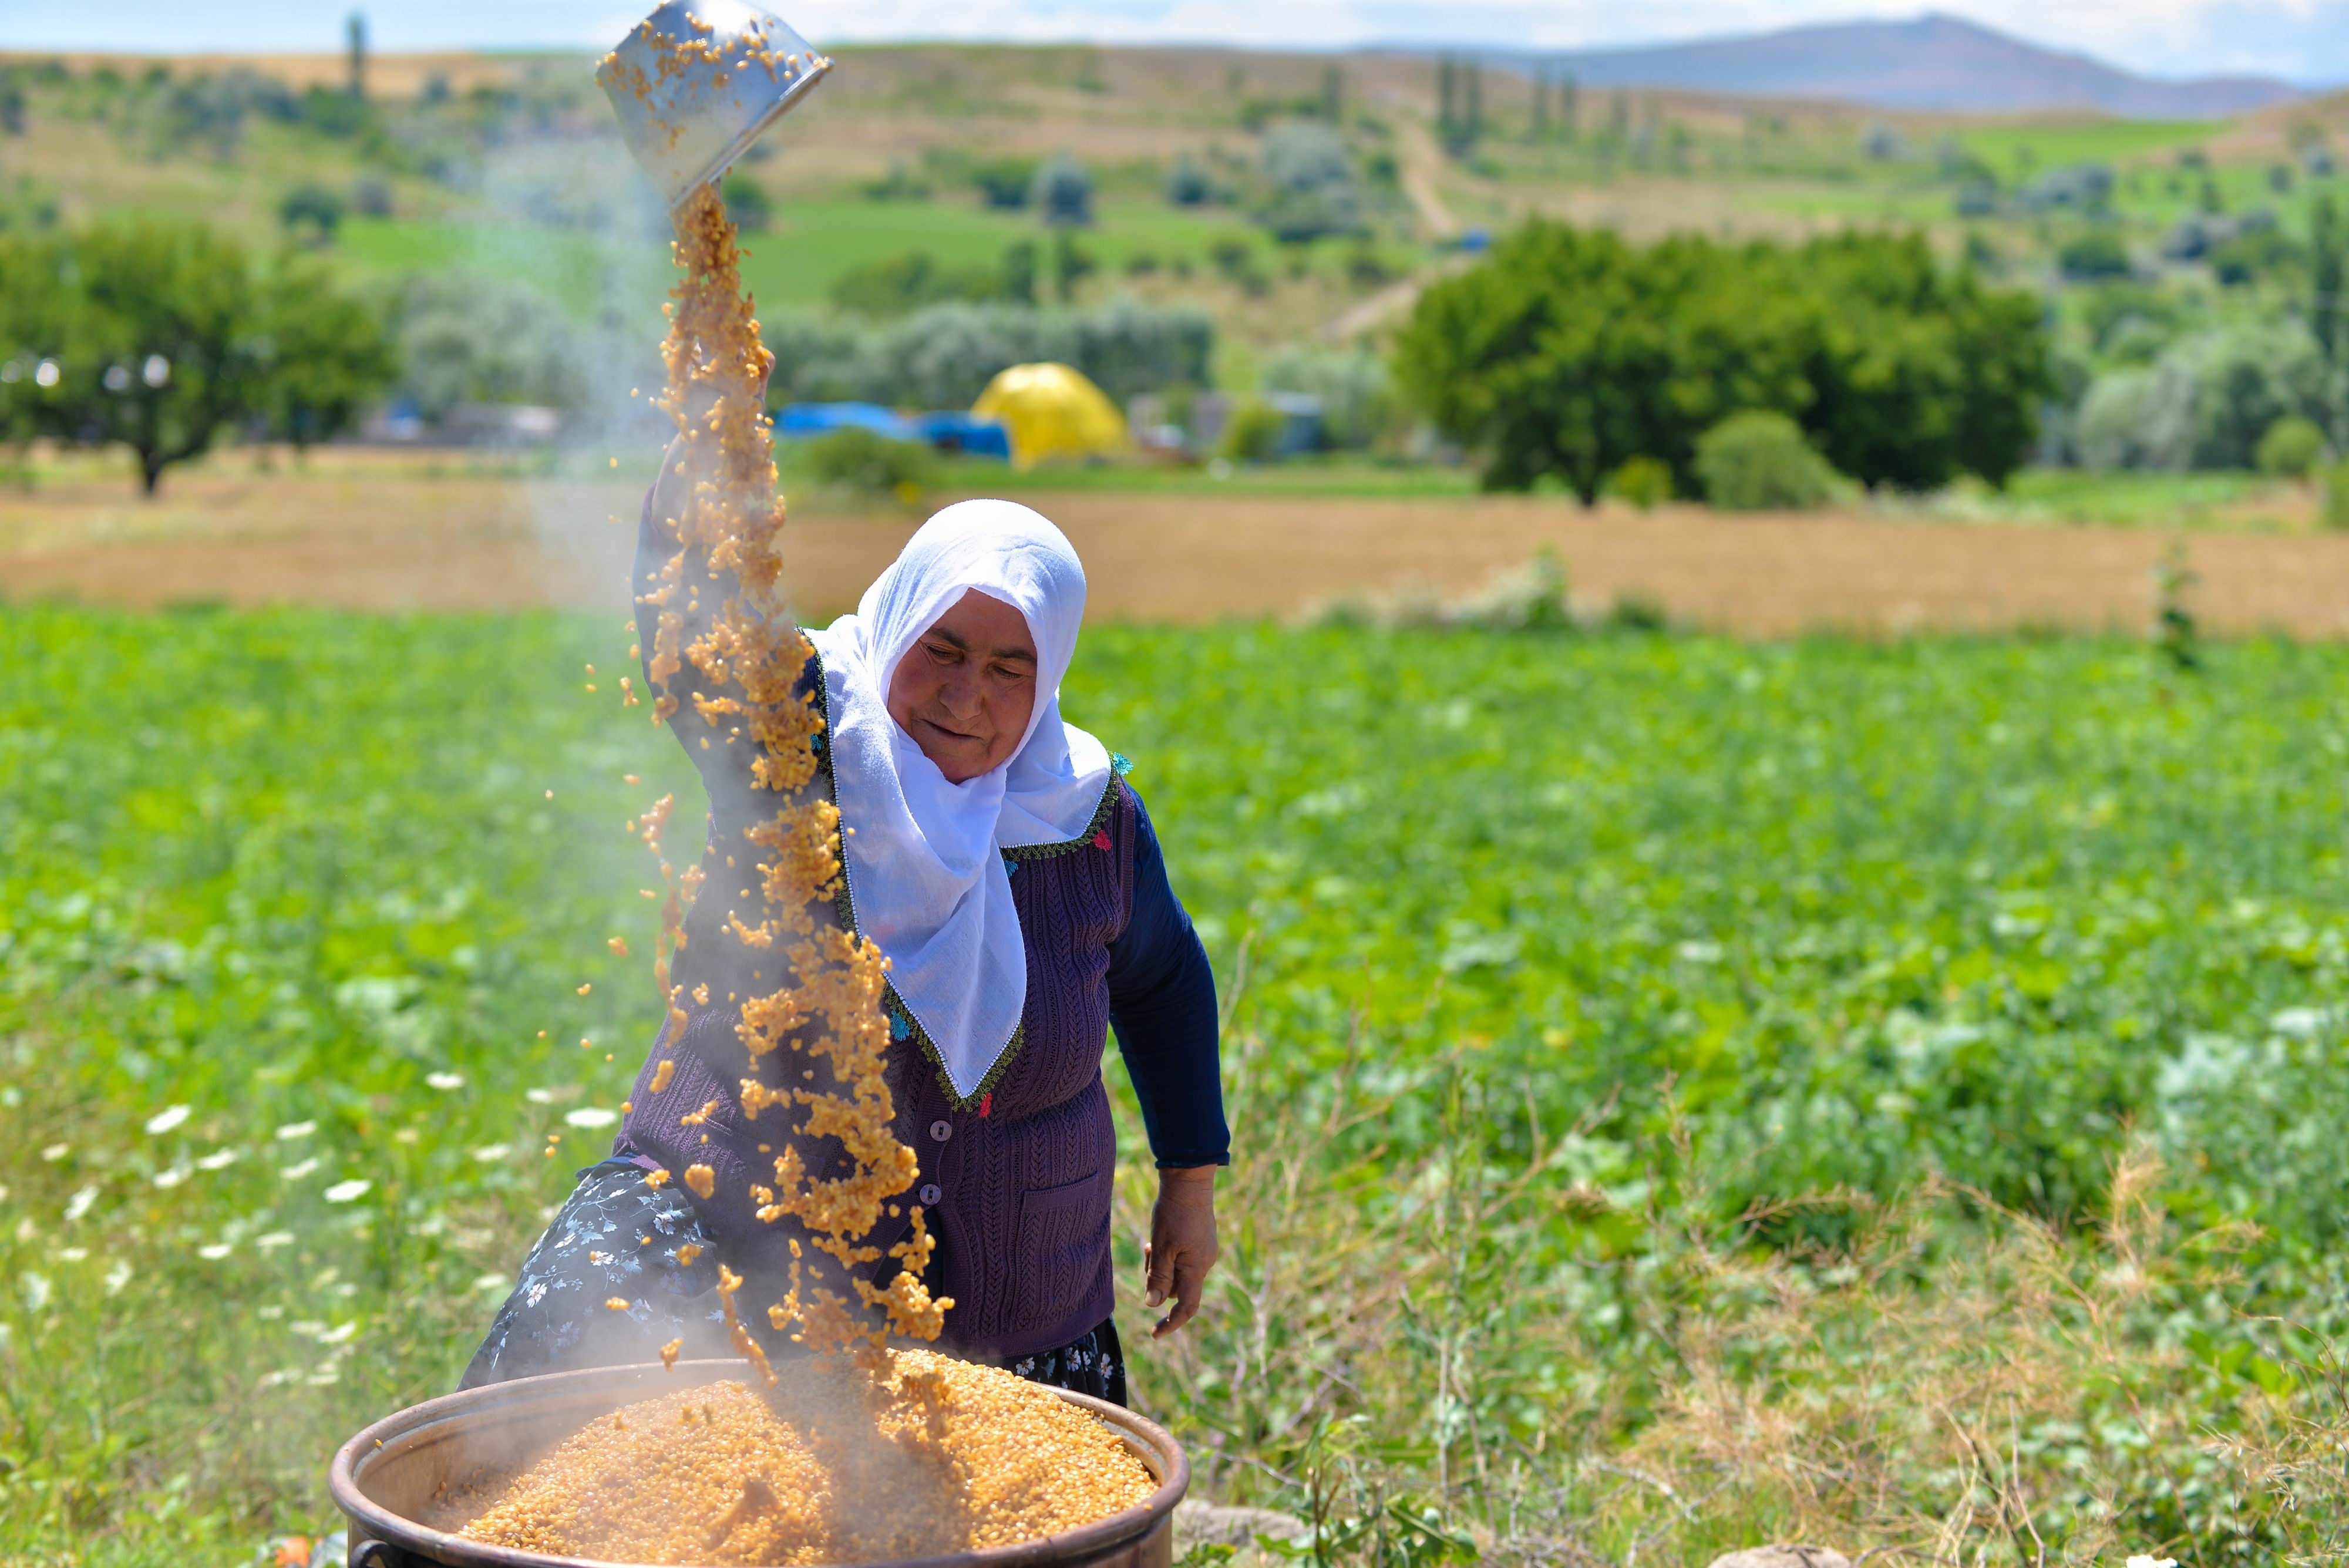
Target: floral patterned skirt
618	1239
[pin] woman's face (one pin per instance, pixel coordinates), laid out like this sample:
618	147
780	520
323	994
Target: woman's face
965	688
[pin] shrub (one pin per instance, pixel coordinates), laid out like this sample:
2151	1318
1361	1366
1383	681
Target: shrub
1005	182
1188	183
311	209
1312	187
1644	482
868	463
1062	191
1252	433
2205	403
2095	255
2291	448
1758	460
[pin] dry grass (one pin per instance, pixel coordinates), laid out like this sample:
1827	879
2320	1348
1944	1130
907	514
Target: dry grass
396	531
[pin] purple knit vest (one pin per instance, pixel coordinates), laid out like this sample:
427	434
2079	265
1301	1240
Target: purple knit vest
1014	1183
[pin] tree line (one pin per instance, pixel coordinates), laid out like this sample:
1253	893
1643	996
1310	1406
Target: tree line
1571	353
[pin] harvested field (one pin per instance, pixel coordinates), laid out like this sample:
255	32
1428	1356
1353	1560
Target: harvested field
366	531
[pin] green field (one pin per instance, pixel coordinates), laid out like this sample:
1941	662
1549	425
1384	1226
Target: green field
1679	1084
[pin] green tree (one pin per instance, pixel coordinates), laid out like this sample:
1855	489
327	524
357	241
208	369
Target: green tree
1569	352
159	335
2328	275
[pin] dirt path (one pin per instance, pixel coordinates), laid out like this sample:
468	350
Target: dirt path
387	538
1421	160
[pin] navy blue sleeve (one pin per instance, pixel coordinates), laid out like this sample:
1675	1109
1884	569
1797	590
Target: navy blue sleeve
1162	1002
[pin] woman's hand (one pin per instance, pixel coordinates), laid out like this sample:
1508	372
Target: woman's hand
1182	1244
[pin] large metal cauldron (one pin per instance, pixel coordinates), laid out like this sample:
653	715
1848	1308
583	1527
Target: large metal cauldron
389	1479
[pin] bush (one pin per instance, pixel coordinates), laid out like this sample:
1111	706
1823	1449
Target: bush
1312	188
2205	403
2291	448
311	209
2095	256
1188	183
868	463
1758	460
1005	182
1253	432
1062	191
1644	482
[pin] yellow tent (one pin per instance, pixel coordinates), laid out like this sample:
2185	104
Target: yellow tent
1051	410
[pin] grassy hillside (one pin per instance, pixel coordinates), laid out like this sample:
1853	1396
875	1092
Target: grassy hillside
510	162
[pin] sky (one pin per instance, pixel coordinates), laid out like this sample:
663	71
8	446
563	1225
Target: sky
2301	40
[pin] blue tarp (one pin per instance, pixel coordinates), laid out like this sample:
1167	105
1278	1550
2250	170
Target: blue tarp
949	431
818	418
970	434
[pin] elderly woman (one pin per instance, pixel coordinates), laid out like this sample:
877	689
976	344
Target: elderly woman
999	858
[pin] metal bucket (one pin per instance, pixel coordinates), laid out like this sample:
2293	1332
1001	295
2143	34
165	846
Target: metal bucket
392	1480
697	81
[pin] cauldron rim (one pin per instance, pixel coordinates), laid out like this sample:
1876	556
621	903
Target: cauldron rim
409	1537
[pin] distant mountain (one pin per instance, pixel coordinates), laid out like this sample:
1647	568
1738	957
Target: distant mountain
1932	63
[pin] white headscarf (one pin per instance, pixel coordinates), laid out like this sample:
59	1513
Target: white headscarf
926	872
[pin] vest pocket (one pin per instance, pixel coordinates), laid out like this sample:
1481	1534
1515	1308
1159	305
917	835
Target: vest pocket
1063	1244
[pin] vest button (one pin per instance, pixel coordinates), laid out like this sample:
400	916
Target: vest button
930	1194
941	1130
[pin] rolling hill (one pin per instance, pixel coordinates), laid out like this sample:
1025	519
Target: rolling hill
1930	64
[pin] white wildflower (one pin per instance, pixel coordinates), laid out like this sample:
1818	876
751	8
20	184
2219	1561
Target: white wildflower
164	1120
293	1131
591	1117
539	1097
218	1159
213	1253
488	1284
275	1239
491	1152
37	1292
348	1191
2144	1562
74	1254
341	1333
168	1179
445	1081
296	1172
117	1277
55	1152
79	1204
274	1378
